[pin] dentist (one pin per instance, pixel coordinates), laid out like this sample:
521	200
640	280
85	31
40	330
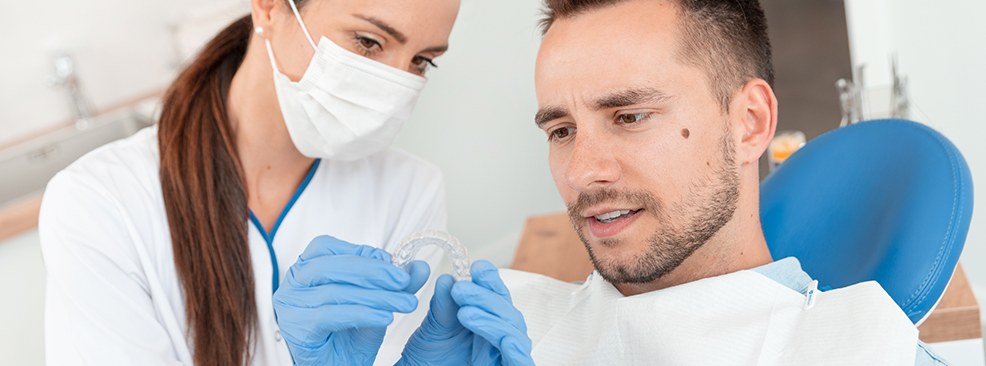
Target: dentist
165	248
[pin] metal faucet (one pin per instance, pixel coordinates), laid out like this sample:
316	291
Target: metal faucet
65	77
899	103
851	97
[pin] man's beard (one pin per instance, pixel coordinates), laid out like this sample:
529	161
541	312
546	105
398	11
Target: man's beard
704	215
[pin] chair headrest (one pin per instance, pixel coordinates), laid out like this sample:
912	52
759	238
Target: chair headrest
885	200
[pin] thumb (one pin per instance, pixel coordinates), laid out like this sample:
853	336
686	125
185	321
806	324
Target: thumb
443	307
420	270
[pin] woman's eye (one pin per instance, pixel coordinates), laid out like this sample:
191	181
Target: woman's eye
422	63
630	118
366	44
561	133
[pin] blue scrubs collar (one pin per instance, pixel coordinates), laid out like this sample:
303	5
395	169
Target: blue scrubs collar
269	237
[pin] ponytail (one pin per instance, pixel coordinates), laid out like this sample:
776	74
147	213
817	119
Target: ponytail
206	203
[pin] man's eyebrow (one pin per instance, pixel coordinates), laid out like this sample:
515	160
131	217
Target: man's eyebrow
384	27
629	97
548	114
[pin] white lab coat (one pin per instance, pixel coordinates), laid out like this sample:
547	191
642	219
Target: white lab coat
113	295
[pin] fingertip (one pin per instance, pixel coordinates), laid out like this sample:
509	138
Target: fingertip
419	265
373	252
462	291
418	276
488	276
518	353
420	271
324	240
445	282
516	345
443	289
320	245
443	297
384	318
467	314
376	318
411	305
481	265
400	277
484	272
456	288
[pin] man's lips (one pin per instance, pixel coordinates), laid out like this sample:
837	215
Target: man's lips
610	223
603	210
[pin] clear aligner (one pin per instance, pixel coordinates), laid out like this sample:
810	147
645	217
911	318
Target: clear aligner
409	247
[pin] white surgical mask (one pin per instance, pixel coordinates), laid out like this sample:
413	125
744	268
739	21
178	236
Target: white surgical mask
346	106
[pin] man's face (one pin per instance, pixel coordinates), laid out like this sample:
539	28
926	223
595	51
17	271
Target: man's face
640	150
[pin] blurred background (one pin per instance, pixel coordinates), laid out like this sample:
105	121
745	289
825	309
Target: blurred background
77	74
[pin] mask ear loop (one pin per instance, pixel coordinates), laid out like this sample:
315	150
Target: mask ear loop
304	28
270	53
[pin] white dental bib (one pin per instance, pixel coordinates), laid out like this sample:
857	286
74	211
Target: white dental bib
741	318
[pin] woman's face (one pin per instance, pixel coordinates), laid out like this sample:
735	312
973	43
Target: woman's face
405	34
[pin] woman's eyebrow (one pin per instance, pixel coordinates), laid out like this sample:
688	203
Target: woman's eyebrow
384	27
436	49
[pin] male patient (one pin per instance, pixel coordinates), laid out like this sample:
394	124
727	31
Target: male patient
657	112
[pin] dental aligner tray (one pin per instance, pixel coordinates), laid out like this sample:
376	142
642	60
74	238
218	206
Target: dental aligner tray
409	247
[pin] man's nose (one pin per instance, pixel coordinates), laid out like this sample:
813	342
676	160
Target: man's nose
593	163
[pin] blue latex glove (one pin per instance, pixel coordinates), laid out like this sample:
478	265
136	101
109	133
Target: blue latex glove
470	323
336	301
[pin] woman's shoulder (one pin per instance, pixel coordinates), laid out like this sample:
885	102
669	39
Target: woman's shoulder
123	173
103	201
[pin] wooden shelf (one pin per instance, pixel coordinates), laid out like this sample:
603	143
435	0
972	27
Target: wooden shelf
957	315
19	217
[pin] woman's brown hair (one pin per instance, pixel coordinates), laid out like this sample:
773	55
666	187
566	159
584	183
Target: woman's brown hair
206	203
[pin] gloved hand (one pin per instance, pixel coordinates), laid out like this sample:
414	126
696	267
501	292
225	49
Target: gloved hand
336	301
470	323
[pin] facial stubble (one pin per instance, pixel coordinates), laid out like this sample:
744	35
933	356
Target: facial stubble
704	214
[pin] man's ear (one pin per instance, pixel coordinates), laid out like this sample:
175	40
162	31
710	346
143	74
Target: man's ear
260	12
756	108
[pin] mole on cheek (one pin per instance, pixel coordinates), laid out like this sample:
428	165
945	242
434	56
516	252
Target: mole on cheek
685	133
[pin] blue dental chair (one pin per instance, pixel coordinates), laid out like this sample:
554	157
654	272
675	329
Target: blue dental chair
884	200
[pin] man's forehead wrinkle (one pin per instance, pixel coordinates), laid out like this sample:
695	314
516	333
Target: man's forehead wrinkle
628	97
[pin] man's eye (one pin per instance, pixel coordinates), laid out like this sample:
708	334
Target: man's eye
631	117
561	133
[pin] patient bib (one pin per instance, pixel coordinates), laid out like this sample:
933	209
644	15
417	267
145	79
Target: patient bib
742	318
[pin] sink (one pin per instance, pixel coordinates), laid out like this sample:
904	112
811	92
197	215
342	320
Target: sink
25	168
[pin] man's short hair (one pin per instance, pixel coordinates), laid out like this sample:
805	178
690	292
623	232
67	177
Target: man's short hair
727	38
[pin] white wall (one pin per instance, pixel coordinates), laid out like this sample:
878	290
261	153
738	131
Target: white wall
941	48
475	119
22	282
123	49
